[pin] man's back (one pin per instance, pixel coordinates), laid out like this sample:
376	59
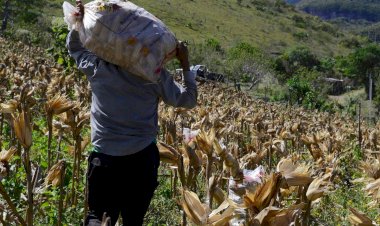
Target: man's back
124	106
123	110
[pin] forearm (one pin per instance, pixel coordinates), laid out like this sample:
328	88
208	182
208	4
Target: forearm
177	95
86	61
189	81
191	88
185	65
73	43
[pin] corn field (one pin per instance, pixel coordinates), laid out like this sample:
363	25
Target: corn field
299	156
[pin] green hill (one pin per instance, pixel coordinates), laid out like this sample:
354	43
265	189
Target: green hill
270	25
329	9
359	17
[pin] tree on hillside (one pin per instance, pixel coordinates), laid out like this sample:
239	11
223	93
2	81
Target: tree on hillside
295	58
21	11
246	63
329	9
5	16
209	53
363	66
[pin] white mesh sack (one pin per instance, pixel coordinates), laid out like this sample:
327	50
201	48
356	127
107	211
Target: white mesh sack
124	34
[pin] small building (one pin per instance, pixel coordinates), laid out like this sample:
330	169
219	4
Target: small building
336	86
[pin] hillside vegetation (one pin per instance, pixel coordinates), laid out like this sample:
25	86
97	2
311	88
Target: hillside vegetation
266	25
270	25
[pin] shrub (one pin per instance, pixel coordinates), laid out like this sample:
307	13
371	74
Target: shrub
350	42
299	21
298	88
214	44
302	36
295	58
58	50
304	89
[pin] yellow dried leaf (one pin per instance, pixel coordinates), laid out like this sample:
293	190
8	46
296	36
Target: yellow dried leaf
359	219
315	189
193	207
5	156
23	129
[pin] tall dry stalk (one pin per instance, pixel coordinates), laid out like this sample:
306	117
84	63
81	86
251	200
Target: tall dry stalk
60	127
56	177
360	136
6	109
76	120
1	129
55	106
205	143
11	205
23	131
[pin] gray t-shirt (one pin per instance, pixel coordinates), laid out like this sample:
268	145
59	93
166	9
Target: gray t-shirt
124	106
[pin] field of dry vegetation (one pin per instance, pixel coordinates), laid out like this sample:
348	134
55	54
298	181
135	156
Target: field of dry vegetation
314	168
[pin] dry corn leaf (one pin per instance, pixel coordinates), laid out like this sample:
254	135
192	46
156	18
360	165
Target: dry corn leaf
308	140
57	105
5	156
265	215
219	195
264	193
223	221
279	146
359	219
23	129
195	161
315	189
372	168
84	144
294	175
215	214
373	188
168	154
295	127
229	161
286	166
274	216
193	207
9	107
55	174
287	216
205	141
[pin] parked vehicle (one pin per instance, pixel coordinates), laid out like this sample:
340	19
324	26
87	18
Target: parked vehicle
202	72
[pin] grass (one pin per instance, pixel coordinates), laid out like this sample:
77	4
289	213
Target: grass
352	99
345	98
163	199
333	208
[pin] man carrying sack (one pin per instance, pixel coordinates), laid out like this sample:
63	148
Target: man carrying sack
122	168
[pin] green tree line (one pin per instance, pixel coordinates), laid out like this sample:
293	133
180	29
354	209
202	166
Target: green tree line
364	9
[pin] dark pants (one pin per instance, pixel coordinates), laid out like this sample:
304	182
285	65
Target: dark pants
121	185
